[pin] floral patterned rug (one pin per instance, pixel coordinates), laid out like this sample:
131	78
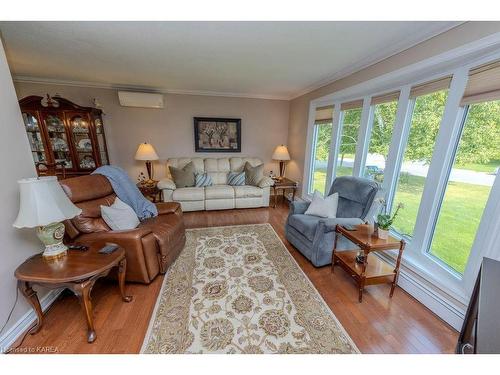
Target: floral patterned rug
238	290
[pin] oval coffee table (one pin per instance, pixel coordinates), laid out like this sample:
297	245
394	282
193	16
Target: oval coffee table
77	271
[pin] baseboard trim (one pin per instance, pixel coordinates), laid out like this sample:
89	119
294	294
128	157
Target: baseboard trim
432	297
26	320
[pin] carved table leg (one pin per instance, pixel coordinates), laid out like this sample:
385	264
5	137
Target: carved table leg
83	292
32	298
122	268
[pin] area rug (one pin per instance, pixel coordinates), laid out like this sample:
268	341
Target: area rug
237	289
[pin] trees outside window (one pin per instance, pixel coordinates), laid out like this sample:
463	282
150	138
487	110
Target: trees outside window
350	129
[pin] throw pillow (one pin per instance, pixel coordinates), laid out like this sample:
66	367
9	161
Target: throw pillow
236	178
119	216
253	175
183	177
323	207
202	180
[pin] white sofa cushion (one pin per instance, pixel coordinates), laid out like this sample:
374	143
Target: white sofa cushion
219	192
189	194
119	216
247	191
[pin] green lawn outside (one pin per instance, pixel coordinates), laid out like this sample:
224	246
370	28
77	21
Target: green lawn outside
457	223
488	167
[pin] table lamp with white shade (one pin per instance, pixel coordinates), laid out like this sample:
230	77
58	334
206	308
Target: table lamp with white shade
43	205
281	154
147	152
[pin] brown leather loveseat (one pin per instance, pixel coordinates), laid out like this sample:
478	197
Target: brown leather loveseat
150	248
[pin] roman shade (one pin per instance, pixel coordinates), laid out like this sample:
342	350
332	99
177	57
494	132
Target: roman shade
483	84
385	98
324	114
430	87
352	105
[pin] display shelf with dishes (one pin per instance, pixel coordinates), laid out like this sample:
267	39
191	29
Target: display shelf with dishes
61	131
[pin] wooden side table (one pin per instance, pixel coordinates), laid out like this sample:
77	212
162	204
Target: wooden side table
373	270
77	271
150	190
284	184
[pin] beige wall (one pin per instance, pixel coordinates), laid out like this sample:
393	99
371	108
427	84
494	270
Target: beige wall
170	130
299	107
16	244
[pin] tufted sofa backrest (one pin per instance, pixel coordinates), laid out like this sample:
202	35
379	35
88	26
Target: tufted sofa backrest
217	168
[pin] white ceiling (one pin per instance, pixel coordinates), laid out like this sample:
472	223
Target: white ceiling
251	59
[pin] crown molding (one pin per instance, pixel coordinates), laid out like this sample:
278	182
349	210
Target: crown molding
381	55
157	90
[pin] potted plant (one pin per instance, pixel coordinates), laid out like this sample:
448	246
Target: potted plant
384	222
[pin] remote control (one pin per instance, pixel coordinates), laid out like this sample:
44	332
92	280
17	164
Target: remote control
78	247
109	248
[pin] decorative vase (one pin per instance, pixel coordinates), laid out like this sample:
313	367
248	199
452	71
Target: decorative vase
383	234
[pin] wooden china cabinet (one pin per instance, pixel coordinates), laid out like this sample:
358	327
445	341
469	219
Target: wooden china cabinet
62	132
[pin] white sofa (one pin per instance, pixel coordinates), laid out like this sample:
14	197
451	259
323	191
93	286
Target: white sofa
219	196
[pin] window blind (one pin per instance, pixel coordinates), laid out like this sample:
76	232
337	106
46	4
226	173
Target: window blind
352	105
385	98
324	114
430	87
483	84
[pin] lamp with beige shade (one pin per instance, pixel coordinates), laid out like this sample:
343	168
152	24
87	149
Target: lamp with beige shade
281	154
147	153
43	205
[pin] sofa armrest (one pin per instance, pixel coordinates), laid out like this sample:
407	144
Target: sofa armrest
165	208
120	237
266	182
330	224
298	207
166	183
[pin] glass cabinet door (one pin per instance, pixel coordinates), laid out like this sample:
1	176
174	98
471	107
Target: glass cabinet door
101	141
58	140
35	139
82	141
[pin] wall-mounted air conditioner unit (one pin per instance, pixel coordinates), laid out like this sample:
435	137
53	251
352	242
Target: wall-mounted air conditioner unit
140	99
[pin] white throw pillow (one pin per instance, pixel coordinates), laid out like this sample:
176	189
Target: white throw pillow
119	216
323	207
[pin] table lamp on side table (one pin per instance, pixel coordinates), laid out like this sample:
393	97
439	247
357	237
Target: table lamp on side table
281	154
147	153
44	204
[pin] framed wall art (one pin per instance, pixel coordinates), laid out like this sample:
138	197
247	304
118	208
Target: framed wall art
217	134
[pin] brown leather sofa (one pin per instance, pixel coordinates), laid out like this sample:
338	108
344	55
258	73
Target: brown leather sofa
150	248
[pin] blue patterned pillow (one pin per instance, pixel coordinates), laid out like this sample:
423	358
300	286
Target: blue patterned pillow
202	180
236	178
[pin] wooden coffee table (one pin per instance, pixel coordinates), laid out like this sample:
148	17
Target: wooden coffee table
373	270
77	271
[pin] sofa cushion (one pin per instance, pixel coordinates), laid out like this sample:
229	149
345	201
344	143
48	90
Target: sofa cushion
356	195
119	216
183	177
219	192
236	178
189	194
237	164
182	162
247	191
203	179
253	175
305	224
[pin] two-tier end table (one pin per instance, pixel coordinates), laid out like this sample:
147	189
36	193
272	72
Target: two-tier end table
77	271
283	184
373	269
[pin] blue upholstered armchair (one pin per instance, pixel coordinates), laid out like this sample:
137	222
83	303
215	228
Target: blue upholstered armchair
313	236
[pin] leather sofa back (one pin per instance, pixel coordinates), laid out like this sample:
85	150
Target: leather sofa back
217	168
88	193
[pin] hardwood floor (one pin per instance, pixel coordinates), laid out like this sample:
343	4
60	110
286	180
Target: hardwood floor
378	325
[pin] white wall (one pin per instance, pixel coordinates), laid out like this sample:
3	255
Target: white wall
171	130
16	245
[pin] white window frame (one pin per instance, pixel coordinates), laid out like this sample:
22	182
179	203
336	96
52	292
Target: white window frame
442	290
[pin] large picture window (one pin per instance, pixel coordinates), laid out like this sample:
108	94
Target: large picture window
351	121
322	138
476	164
426	118
384	117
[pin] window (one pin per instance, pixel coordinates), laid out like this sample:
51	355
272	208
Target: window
476	164
322	138
351	120
427	113
384	117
